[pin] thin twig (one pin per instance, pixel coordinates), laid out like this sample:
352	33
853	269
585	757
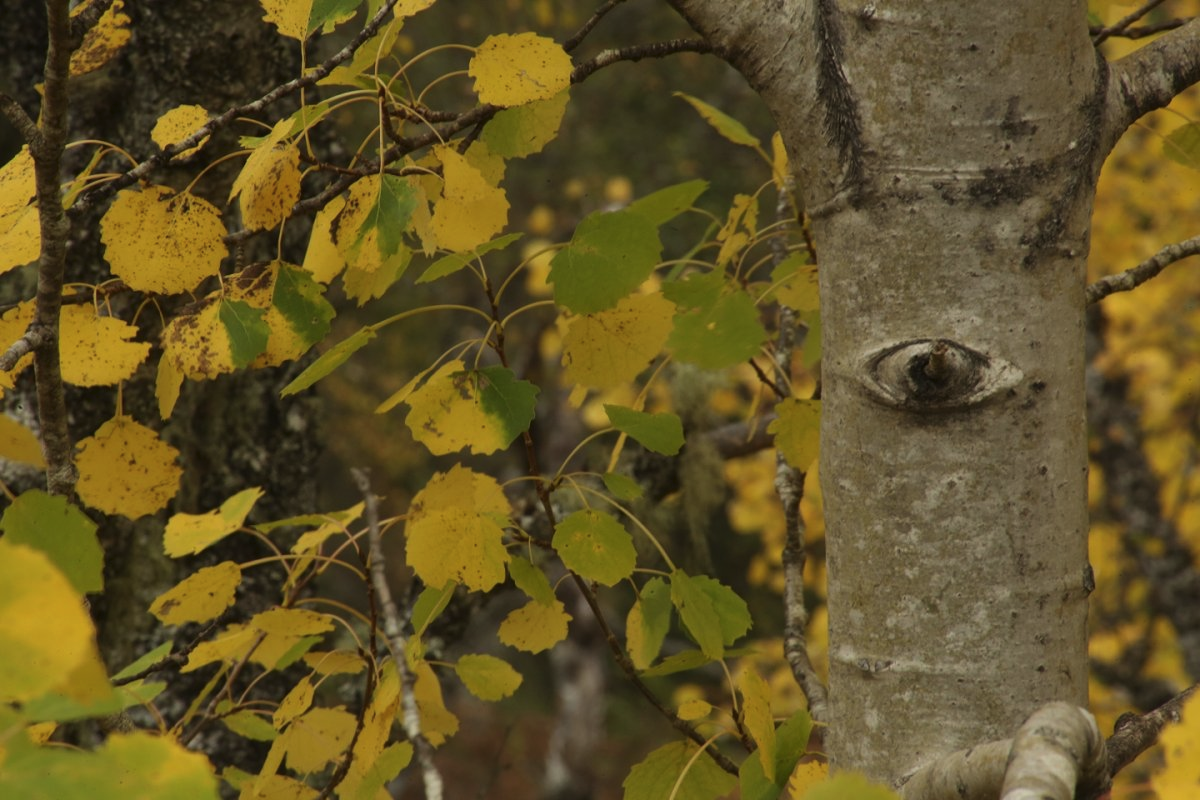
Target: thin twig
789	485
19	119
637	52
1136	276
1142	31
1120	25
586	28
90	199
393	628
1136	733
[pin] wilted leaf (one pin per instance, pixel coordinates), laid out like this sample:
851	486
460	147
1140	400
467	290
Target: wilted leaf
103	40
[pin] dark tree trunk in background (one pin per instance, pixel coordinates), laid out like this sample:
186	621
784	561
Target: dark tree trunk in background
234	432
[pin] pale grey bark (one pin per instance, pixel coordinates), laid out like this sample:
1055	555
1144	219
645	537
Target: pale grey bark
947	153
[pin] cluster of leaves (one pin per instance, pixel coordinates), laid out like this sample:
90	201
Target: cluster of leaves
626	313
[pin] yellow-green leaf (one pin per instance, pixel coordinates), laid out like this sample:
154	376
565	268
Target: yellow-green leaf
796	283
455	530
511	70
59	530
596	546
487	677
648	621
316	738
484	410
201	596
96	350
18	443
612	347
126	469
757	717
797	430
535	626
296	311
525	130
187	534
852	785
159	241
675	770
437	722
46	633
224	335
330	360
724	124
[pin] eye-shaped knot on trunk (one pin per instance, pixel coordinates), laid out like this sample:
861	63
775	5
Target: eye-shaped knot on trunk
935	375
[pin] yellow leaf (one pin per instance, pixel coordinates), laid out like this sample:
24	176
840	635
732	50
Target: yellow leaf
295	622
95	350
167	385
188	534
20	234
269	183
103	41
437	723
806	776
799	289
46	634
276	787
335	662
169	768
611	347
406	8
289	16
779	161
797	431
471	210
232	644
535	627
487	677
454	530
1180	744
178	124
512	70
371	742
448	414
322	258
18	443
317	738
294	703
739	228
200	597
124	468
756	715
694	709
162	242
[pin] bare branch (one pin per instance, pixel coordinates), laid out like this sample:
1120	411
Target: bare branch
1136	276
1057	752
1148	79
1135	733
1120	26
19	119
86	19
972	774
1142	31
33	338
586	28
637	52
393	628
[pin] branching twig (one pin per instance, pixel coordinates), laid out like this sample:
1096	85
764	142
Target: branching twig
1118	28
1136	276
393	628
586	28
637	52
90	199
1142	31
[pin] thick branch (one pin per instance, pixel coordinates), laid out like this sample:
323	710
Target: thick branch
972	774
1057	752
393	628
1148	79
1136	276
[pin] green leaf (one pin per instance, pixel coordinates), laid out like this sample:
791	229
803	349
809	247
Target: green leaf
508	400
796	283
673	770
301	301
525	130
791	740
487	677
797	431
1183	145
153	657
62	532
698	290
648	621
247	330
330	360
721	335
666	204
595	546
249	725
690	659
712	613
393	209
661	433
850	786
448	265
610	256
724	124
621	486
331	12
531	580
429	604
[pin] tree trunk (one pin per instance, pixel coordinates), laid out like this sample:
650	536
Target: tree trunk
947	155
